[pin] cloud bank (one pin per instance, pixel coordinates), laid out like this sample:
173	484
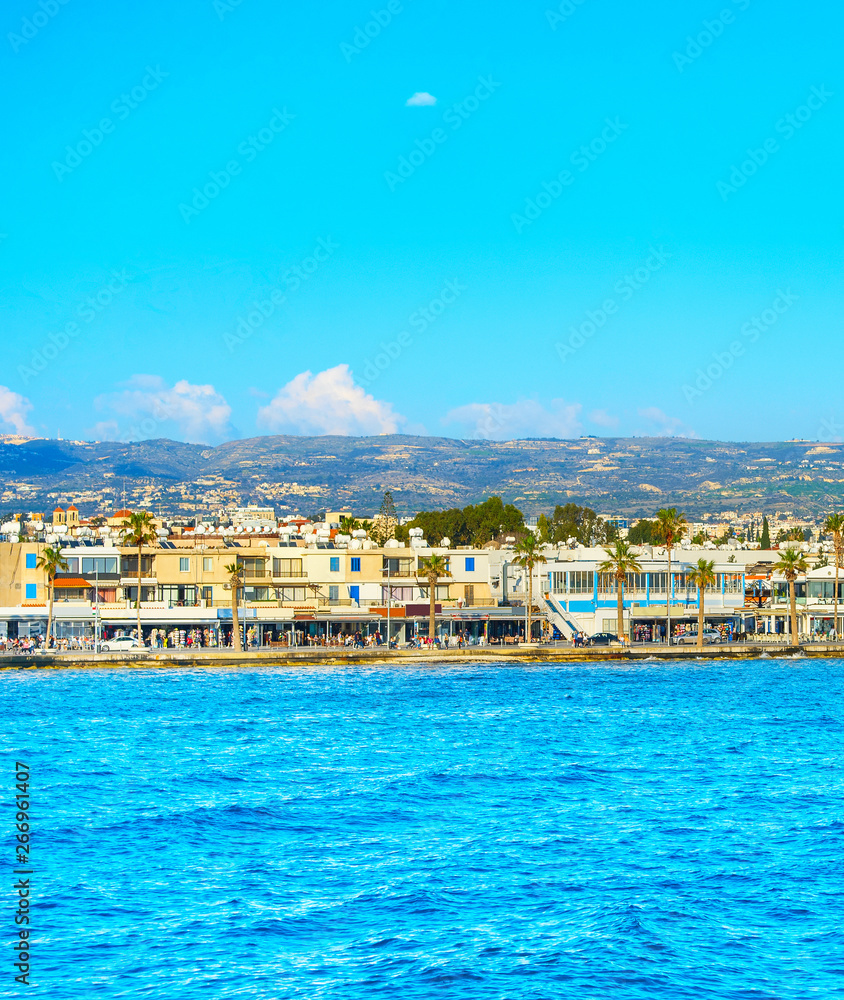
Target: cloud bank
330	402
13	412
525	418
147	403
421	99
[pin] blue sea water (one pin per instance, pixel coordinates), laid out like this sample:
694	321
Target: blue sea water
520	831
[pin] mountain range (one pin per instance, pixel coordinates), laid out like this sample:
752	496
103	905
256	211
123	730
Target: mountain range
624	476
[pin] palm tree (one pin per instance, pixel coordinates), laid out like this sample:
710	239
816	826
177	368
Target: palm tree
620	561
669	529
432	569
51	561
702	576
139	529
235	571
528	554
834	525
792	562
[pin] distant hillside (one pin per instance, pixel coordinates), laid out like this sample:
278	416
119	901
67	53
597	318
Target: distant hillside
628	476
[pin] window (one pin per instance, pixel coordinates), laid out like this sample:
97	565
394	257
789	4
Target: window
334	564
31	591
581	581
207	564
253	568
178	595
287	568
206	593
292	594
100	564
469	595
259	594
355	564
184	564
31	560
470	564
73	564
399	566
333	589
397	594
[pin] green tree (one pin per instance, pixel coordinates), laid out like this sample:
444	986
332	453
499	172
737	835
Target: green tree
834	525
235	581
581	523
702	576
139	530
51	561
620	561
790	563
528	555
765	539
473	525
670	527
433	568
642	532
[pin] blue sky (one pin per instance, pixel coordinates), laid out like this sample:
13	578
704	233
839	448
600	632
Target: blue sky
604	218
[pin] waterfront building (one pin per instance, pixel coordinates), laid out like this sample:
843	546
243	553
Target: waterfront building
306	582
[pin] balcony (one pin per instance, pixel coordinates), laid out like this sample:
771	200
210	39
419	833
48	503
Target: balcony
291	575
148	579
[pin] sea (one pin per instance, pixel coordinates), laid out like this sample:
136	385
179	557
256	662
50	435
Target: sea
643	830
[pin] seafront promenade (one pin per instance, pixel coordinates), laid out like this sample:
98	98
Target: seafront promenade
320	657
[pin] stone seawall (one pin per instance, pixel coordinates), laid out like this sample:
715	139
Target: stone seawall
320	657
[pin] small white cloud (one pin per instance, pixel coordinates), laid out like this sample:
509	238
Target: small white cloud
510	421
13	412
421	99
604	419
146	405
330	402
664	426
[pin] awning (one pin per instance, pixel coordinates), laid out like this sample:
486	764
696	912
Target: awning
74	582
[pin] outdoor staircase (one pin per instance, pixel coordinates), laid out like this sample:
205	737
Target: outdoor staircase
559	618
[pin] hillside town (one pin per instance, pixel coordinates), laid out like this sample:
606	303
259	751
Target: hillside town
348	579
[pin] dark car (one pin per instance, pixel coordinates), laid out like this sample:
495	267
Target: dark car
602	639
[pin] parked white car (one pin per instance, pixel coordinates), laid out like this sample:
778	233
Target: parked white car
121	643
710	636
